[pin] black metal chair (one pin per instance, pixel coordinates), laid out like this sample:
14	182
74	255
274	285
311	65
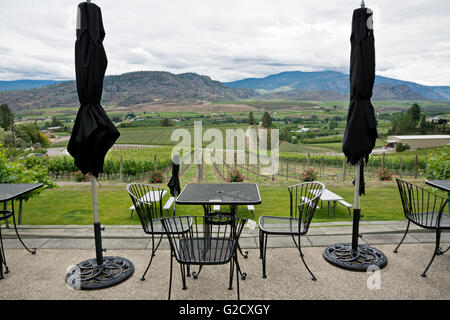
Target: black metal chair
212	240
147	201
303	203
425	209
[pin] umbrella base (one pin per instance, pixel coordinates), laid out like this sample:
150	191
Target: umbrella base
343	256
87	275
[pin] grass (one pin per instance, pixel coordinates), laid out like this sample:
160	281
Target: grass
56	207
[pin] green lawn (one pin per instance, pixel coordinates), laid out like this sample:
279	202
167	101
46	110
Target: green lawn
72	203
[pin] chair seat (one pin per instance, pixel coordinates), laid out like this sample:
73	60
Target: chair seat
428	219
204	250
280	225
175	225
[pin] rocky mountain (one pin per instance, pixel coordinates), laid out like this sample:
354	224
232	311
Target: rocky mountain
128	89
337	82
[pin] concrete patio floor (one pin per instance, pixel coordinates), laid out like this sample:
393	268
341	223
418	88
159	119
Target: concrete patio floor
41	276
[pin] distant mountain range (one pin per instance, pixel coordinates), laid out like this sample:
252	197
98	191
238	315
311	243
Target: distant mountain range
129	89
25	84
338	83
158	87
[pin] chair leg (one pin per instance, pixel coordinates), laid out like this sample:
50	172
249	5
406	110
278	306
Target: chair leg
260	244
401	241
303	259
183	275
435	253
153	254
237	277
170	277
230	286
264	257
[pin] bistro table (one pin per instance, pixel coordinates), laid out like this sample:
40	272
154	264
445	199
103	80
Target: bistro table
9	192
210	194
443	185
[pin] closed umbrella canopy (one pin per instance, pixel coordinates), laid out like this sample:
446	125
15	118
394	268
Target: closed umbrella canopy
361	130
174	182
93	133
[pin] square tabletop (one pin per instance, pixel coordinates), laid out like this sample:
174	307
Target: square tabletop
10	191
220	193
441	184
327	195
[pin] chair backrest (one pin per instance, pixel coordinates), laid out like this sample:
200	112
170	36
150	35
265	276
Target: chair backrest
147	201
419	205
303	202
210	240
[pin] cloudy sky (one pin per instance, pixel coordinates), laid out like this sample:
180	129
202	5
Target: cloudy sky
227	40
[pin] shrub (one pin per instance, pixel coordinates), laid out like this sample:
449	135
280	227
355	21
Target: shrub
309	175
19	171
235	176
402	147
156	177
439	166
384	175
80	177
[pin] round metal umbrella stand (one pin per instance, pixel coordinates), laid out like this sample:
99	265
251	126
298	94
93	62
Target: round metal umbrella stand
344	256
88	275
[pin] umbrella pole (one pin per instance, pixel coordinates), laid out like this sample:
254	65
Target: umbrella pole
356	207
97	227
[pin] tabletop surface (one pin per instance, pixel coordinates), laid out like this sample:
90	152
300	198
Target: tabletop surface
327	195
441	184
10	191
220	193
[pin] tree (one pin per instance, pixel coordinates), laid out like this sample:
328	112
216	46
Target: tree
6	117
166	122
266	120
333	124
414	113
251	119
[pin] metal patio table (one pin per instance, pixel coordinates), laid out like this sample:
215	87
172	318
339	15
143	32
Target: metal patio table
9	192
443	185
210	194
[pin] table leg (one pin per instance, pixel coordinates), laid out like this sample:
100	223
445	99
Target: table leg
6	220
448	204
234	214
33	250
2	256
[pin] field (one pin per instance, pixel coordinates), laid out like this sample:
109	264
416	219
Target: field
320	150
114	203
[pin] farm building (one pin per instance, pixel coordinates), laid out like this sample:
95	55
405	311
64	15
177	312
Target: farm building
419	141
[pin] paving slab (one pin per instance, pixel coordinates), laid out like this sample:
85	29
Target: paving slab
373	239
30	243
116	244
274	241
69	244
324	241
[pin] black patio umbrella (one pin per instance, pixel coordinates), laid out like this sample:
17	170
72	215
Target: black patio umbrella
174	182
359	139
92	136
